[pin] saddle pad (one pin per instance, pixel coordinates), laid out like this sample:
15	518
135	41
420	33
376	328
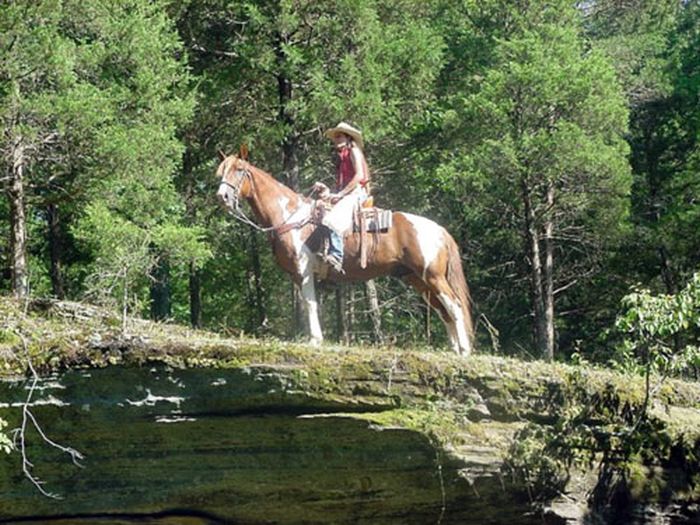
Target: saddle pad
377	220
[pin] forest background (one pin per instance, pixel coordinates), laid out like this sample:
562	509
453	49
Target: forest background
558	141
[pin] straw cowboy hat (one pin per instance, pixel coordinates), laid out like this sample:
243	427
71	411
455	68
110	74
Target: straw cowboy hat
346	129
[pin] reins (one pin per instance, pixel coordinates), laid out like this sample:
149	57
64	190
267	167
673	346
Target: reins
240	215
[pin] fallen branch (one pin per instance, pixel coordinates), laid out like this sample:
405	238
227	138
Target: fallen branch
20	434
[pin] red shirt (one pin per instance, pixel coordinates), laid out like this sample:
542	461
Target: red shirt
346	169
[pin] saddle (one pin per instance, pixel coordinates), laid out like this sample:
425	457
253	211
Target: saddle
367	219
370	219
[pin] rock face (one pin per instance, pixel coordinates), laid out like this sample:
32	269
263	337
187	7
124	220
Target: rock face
194	446
183	427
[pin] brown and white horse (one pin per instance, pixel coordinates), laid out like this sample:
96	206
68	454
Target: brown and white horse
416	249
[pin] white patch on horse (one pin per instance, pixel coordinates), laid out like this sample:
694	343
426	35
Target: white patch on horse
431	237
461	343
308	291
304	265
302	252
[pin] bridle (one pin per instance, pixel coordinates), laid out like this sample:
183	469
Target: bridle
241	174
236	211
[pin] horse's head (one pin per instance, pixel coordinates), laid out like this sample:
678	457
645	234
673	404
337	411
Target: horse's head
234	174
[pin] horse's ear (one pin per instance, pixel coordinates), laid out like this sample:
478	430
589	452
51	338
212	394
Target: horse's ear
244	151
222	155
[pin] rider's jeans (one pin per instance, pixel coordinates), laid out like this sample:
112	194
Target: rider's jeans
339	219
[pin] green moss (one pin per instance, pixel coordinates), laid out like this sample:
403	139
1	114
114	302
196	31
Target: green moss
643	483
681	423
9	338
693	494
441	426
546	416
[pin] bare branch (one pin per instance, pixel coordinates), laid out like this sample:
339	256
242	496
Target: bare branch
565	287
20	434
216	52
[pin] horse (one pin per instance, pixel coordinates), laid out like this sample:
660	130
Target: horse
415	249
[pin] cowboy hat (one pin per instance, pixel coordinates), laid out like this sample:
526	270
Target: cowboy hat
346	129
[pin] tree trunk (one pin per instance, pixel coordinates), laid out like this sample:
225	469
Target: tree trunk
654	206
654	203
195	286
160	291
55	250
428	321
536	278
352	321
340	314
290	160
298	311
195	275
18	222
256	296
667	274
374	313
549	275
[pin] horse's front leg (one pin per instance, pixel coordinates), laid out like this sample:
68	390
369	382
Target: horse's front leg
305	279
308	292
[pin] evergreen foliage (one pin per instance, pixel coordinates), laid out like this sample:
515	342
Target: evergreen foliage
557	141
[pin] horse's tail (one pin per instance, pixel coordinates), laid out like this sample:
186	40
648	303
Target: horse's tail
456	280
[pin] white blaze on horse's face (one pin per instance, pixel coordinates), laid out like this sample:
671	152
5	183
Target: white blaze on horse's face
231	182
226	195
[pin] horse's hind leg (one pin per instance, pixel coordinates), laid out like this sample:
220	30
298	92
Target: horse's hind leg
431	297
454	314
455	310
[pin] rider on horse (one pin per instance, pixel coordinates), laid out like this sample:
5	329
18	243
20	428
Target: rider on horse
418	250
352	188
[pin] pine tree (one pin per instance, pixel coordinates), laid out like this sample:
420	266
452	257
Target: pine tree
92	97
544	173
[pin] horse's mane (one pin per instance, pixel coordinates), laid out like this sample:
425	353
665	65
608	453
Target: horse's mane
253	169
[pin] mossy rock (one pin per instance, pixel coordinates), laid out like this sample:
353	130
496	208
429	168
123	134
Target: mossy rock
543	426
